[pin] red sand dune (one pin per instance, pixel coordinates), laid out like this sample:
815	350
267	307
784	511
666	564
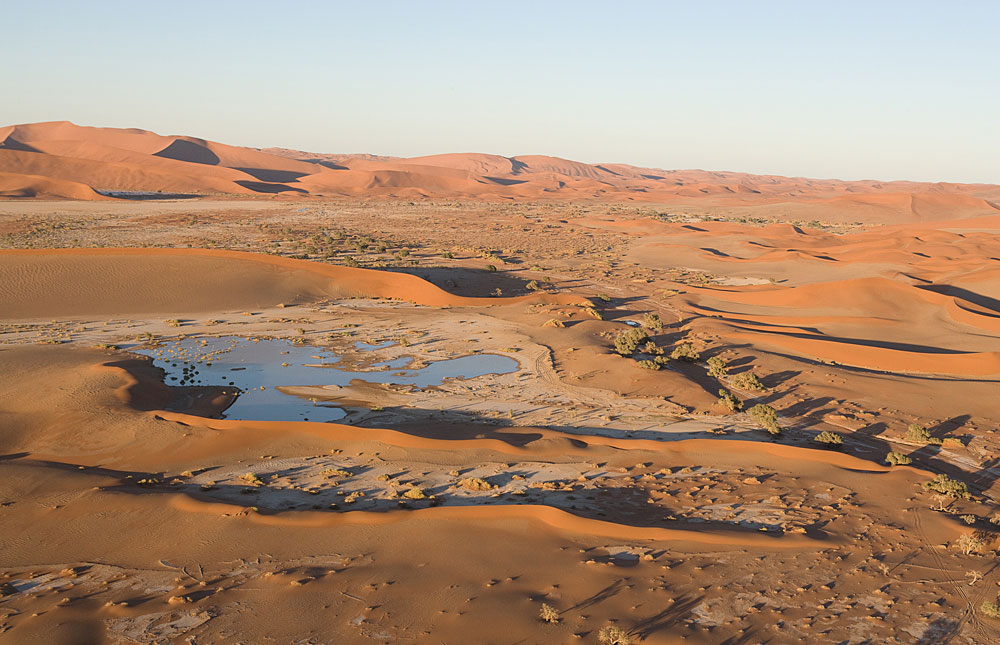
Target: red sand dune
63	160
58	282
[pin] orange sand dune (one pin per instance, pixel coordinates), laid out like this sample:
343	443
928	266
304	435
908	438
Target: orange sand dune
547	515
108	159
66	282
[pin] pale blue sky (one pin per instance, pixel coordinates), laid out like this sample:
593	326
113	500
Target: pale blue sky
851	90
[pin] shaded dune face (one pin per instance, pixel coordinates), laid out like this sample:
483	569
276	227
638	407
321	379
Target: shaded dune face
80	155
189	152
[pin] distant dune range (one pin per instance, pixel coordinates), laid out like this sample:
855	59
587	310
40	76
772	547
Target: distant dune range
65	161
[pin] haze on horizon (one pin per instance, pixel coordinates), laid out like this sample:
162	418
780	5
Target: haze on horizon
895	90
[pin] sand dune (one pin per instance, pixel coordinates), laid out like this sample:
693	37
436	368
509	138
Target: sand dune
109	160
60	282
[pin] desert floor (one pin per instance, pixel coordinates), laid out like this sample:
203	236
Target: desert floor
138	504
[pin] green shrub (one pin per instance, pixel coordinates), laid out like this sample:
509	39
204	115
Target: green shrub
897	459
628	341
491	268
747	381
651	349
916	432
648	365
351	262
945	485
652	322
685	352
766	417
990	609
532	286
829	438
717	367
730	400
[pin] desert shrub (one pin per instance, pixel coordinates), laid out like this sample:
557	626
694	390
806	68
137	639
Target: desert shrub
651	348
351	262
717	367
603	298
415	493
491	268
916	432
661	360
990	609
532	286
897	459
969	518
730	400
652	322
747	381
252	479
648	365
475	483
628	341
829	438
613	635
548	613
594	313
553	322
685	352
766	417
447	255
945	485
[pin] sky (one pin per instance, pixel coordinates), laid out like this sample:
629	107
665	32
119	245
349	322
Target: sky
828	89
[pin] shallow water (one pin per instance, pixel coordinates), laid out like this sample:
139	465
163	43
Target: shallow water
258	368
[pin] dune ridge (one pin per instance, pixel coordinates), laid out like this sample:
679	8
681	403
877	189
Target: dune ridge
551	517
49	159
148	280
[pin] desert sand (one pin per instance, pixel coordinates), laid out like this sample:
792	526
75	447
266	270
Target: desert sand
589	484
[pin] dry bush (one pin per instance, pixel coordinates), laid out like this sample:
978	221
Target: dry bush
613	635
476	484
548	613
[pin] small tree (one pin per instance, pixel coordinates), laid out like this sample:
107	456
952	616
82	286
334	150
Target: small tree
916	432
717	367
947	486
648	365
730	400
747	381
685	352
969	543
652	322
766	417
628	341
